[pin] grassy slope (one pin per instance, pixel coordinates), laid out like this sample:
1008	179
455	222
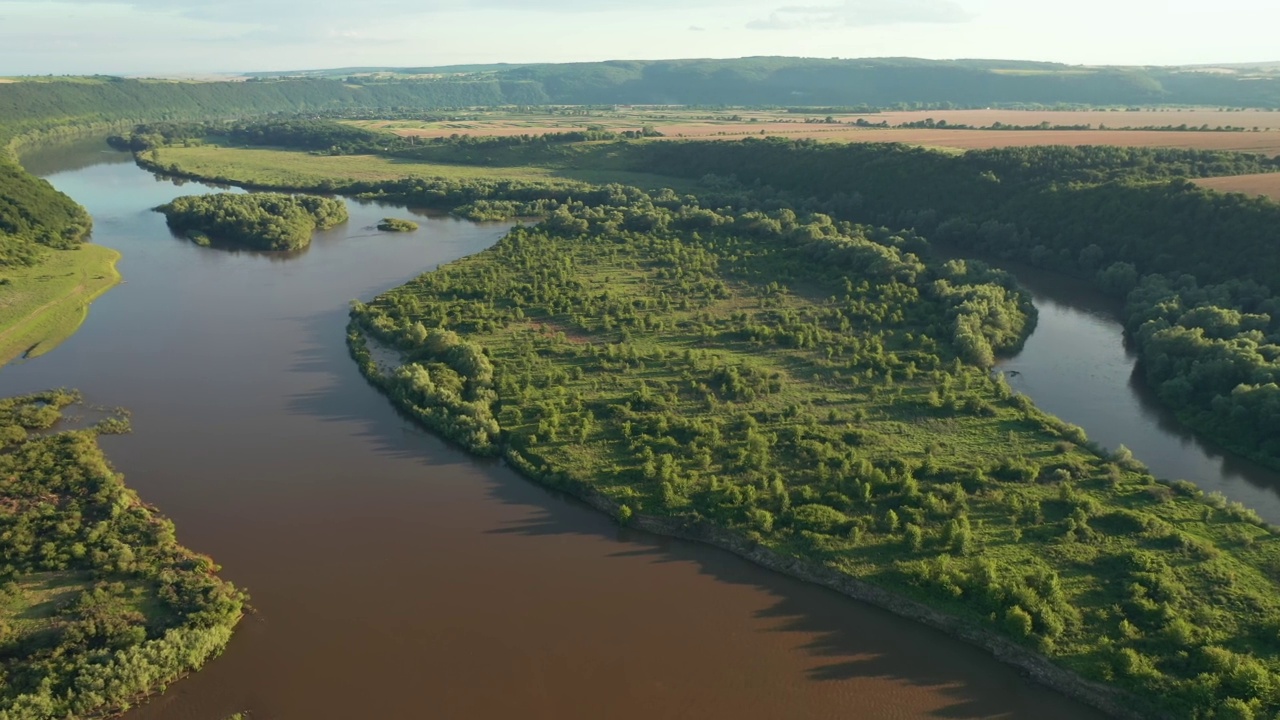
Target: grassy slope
43	305
291	168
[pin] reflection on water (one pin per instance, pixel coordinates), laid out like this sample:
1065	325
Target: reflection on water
1076	365
395	576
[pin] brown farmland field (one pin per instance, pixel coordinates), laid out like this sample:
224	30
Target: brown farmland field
686	123
1267	143
1191	117
1267	184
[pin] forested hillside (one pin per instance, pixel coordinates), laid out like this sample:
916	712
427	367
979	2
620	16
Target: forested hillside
27	107
874	82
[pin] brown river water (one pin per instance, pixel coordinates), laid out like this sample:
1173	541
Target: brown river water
394	576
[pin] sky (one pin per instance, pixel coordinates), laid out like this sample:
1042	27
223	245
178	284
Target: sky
167	37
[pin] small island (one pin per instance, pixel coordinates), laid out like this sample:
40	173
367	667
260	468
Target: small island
397	225
260	221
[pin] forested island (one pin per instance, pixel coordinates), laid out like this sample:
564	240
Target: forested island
260	221
816	389
397	225
99	604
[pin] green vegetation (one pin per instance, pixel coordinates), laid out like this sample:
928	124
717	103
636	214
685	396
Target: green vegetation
99	604
313	172
1205	317
36	220
1198	267
263	221
813	386
42	305
273	168
397	225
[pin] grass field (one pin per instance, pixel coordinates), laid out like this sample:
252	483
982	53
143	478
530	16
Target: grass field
291	168
33	604
30	605
1267	184
44	305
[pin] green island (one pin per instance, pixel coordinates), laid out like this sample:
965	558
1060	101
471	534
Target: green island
261	221
397	225
817	391
99	604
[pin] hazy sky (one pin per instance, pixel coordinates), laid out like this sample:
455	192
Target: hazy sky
172	36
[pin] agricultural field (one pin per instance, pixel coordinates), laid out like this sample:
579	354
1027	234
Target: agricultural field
1267	184
1111	118
735	124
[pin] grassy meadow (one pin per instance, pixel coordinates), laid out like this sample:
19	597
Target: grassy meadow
43	305
264	167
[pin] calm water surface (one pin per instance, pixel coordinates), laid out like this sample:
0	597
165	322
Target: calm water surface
394	576
1076	365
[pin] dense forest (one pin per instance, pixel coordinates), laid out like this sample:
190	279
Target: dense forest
816	387
261	221
397	225
99	604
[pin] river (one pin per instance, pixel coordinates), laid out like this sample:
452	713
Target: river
1077	365
394	576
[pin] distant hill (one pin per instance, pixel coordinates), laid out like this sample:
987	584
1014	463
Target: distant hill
883	82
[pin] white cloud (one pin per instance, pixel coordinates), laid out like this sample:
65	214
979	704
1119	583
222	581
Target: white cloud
864	13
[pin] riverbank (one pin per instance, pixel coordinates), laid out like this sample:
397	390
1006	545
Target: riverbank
100	605
43	305
683	381
377	361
